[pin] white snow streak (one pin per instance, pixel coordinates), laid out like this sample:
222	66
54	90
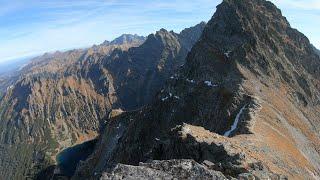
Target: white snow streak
209	83
190	80
170	95
236	121
227	54
165	98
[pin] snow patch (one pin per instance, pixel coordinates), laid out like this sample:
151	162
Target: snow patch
187	130
227	54
235	123
165	98
119	126
10	87
170	96
190	80
209	83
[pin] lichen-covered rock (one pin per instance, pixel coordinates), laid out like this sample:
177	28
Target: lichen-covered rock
170	169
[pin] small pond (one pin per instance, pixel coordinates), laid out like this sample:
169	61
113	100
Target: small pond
69	158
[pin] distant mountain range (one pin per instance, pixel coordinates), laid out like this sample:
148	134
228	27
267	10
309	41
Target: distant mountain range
64	98
13	65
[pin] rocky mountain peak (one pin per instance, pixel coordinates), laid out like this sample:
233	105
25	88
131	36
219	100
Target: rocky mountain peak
237	23
106	43
190	35
161	36
186	38
252	33
127	39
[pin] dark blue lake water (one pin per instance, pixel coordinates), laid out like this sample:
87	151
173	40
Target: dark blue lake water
69	158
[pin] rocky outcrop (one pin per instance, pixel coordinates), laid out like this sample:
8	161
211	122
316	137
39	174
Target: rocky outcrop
171	169
250	77
126	39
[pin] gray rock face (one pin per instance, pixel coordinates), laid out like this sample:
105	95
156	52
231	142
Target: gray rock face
127	39
170	169
140	72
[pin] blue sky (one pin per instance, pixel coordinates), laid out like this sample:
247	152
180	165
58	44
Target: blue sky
32	27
